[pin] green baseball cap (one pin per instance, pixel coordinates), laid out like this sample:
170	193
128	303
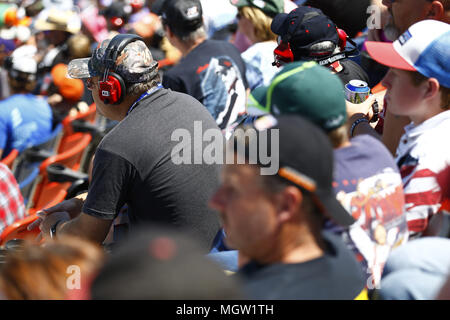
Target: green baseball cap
269	7
306	89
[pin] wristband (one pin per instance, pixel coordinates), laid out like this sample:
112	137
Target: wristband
354	124
53	228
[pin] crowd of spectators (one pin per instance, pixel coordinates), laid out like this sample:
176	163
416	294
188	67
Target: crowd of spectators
235	165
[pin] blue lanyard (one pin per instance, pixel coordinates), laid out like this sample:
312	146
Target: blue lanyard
145	94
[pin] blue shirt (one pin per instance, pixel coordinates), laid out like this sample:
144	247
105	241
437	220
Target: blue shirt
25	121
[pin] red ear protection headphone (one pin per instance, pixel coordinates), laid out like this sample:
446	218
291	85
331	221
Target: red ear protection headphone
112	87
116	22
282	53
342	38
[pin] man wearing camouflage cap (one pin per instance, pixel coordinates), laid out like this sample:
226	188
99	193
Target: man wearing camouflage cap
133	162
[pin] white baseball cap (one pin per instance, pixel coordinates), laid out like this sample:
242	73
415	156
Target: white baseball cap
23	59
424	47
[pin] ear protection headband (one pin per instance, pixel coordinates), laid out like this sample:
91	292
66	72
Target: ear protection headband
283	53
112	87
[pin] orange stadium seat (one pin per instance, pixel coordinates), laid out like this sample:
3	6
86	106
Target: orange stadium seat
18	230
47	193
9	159
67	139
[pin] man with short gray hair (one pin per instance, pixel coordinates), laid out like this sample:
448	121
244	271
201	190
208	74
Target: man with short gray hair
211	71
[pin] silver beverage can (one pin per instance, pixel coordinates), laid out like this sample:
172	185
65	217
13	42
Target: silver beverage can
357	91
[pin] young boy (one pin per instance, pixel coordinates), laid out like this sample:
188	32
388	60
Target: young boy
418	86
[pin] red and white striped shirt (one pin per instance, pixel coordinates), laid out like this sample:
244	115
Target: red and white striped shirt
423	152
11	201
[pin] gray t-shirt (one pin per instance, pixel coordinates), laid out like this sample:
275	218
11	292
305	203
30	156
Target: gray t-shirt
133	166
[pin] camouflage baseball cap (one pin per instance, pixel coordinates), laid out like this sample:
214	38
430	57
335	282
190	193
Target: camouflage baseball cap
134	64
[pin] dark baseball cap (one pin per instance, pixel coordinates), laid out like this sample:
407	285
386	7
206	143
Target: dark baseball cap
182	15
305	158
134	64
117	9
303	27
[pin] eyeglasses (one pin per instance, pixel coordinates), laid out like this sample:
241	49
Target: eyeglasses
238	16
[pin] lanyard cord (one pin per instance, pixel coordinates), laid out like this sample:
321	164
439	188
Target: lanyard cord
145	94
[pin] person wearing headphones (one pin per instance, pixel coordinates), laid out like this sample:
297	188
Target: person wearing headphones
307	34
133	163
25	119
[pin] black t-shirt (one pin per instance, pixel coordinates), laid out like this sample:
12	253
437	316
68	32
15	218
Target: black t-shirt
133	165
335	275
352	71
214	74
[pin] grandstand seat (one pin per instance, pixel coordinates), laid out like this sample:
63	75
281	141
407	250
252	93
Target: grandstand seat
46	192
69	130
18	230
26	167
9	159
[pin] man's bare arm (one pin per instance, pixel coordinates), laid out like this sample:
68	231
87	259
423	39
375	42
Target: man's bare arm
87	227
72	221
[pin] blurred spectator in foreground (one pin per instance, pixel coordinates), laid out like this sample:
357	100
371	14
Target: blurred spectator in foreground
254	20
25	119
211	71
417	270
163	265
366	179
51	271
284	252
